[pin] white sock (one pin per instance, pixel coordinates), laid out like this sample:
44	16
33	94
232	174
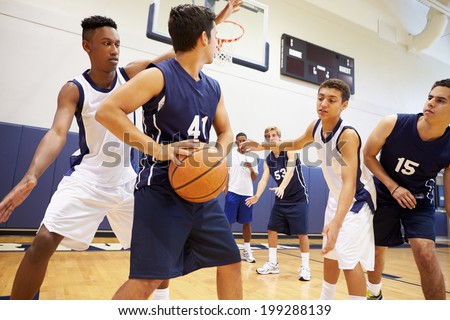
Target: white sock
247	246
161	294
350	297
305	259
374	288
328	291
273	255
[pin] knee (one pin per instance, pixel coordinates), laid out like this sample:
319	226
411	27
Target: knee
234	268
426	256
44	244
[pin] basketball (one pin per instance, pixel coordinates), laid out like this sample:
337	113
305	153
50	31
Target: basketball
200	177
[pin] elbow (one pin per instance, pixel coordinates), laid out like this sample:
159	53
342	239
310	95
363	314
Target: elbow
100	115
367	159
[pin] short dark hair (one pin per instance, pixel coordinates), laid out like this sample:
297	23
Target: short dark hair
241	134
441	83
338	85
93	22
186	24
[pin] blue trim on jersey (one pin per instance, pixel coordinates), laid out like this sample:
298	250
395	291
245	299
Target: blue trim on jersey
331	135
124	74
97	88
315	127
76	160
362	196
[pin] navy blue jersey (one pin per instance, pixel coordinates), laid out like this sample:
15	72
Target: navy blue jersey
185	109
296	189
411	162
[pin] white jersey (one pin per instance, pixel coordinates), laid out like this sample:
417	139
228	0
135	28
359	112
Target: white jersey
331	163
102	158
239	177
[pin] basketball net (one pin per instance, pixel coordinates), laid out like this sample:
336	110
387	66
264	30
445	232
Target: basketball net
228	32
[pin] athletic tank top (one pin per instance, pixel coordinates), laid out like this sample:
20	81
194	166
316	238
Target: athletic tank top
331	163
296	188
185	109
411	162
102	158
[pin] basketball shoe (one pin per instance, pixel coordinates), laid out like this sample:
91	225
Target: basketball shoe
268	268
371	296
247	255
305	274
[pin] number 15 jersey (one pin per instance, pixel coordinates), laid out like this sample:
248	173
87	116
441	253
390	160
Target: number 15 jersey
412	162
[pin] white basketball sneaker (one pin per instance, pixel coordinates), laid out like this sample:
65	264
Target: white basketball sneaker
268	268
305	274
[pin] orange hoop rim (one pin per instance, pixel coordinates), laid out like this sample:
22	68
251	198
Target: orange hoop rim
223	40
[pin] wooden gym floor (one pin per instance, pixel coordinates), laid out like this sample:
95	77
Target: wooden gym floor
94	275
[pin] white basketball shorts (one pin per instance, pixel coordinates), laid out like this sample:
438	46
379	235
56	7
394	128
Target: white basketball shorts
77	208
355	242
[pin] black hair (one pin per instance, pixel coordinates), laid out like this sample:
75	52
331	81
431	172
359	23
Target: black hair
93	22
441	83
338	85
186	24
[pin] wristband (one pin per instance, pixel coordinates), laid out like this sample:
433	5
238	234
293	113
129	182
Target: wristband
392	193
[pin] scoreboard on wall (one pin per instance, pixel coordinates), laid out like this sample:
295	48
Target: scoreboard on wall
309	62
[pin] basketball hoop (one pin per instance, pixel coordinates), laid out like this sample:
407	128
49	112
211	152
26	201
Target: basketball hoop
228	33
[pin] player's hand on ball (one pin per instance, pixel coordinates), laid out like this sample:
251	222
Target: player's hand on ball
172	151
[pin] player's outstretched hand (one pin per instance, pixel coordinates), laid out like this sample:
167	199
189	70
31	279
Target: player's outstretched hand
250	145
232	6
15	197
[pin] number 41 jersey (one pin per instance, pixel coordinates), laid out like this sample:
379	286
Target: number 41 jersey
412	162
185	109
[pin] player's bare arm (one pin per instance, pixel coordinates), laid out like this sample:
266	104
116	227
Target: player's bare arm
447	190
112	114
232	6
287	145
222	126
260	188
349	143
374	144
305	139
48	149
137	66
279	191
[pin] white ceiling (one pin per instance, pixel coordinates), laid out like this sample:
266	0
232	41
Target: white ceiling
396	21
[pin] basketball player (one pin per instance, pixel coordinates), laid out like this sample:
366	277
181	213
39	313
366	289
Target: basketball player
90	190
289	213
414	148
242	171
171	236
348	234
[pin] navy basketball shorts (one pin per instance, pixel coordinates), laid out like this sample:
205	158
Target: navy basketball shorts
389	220
289	219
173	237
236	210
